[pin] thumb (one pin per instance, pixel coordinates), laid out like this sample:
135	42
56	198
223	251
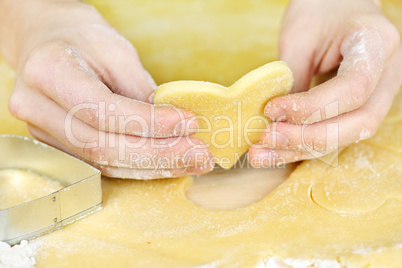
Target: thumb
299	57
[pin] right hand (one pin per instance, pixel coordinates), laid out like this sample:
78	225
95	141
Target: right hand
81	87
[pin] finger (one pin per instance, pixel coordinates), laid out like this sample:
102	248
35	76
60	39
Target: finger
341	131
299	58
118	172
61	74
117	61
109	149
263	157
147	174
42	136
364	55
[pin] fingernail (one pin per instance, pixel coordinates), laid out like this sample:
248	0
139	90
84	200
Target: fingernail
267	154
275	113
186	127
151	97
196	156
275	139
264	158
151	82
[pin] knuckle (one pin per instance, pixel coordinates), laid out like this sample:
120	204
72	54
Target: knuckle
369	123
87	9
42	62
94	155
297	156
127	52
108	171
394	36
307	143
313	137
100	123
284	39
387	31
391	35
16	106
369	127
275	127
33	131
358	89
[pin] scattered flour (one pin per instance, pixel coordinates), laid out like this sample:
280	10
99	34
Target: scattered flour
18	256
210	265
364	134
373	250
276	262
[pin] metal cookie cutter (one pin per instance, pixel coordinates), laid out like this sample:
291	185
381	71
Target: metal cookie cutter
82	194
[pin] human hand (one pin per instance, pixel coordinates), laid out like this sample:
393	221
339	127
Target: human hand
318	36
81	88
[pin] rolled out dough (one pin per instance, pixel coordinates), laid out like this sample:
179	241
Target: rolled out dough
19	186
344	216
153	224
231	119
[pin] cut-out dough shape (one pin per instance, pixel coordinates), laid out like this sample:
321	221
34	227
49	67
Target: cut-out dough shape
231	119
361	187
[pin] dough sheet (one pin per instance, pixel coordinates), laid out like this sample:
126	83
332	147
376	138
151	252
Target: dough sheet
350	214
347	215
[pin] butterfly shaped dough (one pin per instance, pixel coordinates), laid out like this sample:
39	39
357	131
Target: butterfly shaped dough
231	118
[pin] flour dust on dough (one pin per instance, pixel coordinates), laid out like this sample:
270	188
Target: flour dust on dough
152	223
310	218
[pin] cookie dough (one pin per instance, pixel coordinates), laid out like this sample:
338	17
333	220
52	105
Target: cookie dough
19	186
344	216
231	119
153	224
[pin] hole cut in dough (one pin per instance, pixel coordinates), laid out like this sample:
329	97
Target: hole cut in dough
236	188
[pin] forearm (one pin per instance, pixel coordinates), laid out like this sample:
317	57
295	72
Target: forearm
15	17
19	24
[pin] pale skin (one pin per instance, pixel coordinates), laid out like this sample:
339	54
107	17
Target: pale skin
317	37
69	55
66	55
